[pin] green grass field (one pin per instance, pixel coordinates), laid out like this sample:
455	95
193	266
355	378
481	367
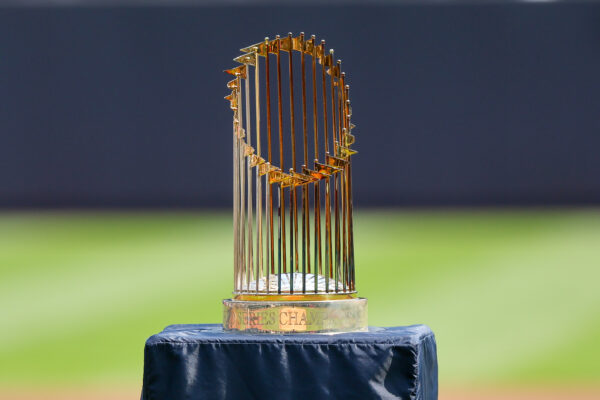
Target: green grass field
513	296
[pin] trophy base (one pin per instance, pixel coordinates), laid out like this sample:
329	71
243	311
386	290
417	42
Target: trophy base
303	316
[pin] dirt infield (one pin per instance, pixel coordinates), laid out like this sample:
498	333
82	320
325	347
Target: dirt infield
519	394
70	394
453	394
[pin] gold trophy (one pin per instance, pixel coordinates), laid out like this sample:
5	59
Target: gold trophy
292	219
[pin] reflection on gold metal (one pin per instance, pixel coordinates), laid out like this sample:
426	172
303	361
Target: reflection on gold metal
329	316
307	254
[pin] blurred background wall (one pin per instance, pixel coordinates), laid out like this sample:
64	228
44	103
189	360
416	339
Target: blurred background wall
114	104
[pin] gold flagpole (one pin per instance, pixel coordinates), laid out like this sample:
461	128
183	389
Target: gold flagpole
236	178
271	243
317	189
328	257
282	242
343	177
259	234
332	75
305	214
247	153
293	200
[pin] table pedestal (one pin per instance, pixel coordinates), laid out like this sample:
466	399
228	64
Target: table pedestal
204	362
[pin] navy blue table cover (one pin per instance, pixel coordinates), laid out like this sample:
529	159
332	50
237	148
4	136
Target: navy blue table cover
204	362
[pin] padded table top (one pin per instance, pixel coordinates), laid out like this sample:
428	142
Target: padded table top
205	362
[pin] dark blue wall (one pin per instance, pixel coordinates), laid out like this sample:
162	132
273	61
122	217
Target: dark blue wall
455	104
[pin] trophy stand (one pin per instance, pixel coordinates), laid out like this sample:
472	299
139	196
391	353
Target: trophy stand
294	328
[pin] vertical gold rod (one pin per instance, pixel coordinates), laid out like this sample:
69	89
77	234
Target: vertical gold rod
250	256
340	94
269	253
350	228
328	258
270	242
318	268
343	178
324	91
282	241
259	244
242	187
236	173
335	176
268	96
333	108
305	216
257	99
293	200
350	205
281	245
346	193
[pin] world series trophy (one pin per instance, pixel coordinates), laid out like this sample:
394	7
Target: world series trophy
294	268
